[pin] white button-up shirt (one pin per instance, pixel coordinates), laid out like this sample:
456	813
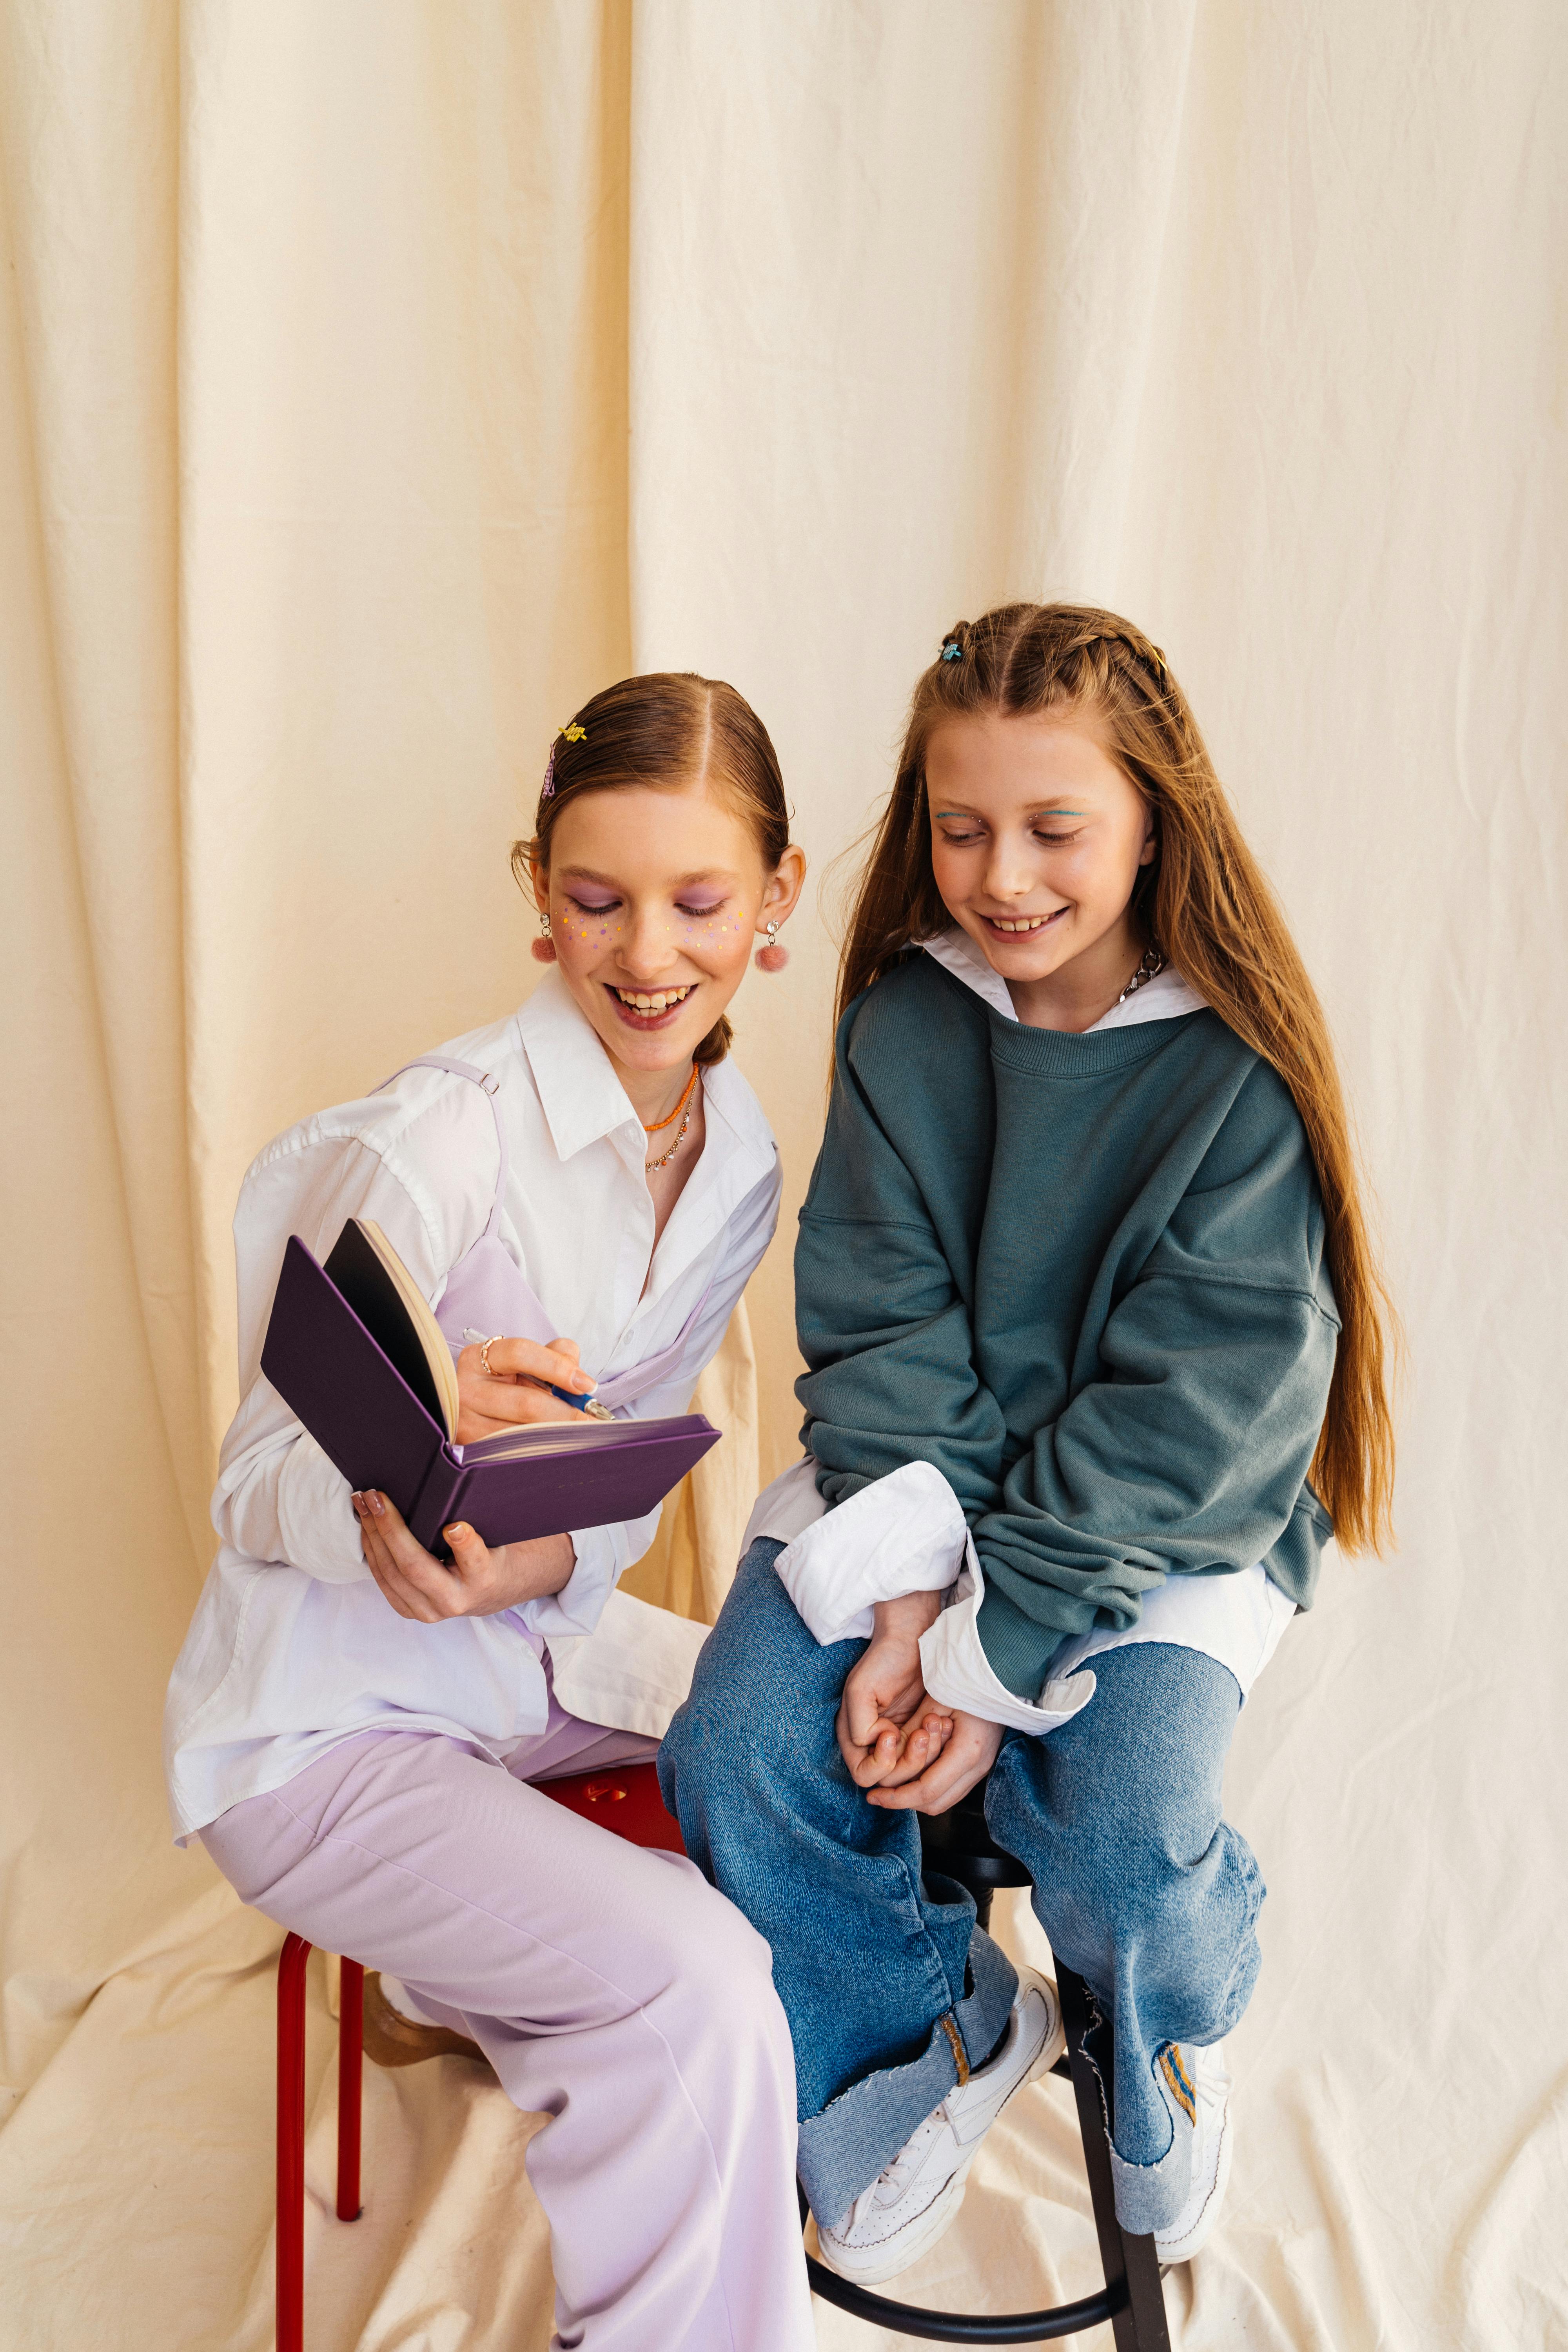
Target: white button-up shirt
293	1647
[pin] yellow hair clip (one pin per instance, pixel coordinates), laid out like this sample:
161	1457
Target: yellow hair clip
573	734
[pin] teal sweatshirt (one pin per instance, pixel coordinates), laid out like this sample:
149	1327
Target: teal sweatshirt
1084	1277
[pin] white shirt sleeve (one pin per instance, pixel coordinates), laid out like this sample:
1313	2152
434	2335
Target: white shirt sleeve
958	1673
278	1496
903	1533
603	1554
906	1533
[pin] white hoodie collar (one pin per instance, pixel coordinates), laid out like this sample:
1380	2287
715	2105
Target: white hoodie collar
1164	998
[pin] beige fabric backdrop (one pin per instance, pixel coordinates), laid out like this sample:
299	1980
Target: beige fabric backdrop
377	380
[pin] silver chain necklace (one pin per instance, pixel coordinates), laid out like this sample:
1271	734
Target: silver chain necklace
665	1157
1151	964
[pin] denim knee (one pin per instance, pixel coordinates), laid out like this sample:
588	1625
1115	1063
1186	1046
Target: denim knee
1182	1935
763	1705
1138	1880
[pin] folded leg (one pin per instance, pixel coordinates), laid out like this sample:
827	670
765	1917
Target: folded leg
609	1988
1142	1888
878	1969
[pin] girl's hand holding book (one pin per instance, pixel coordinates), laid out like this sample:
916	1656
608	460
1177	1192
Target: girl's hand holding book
516	1389
480	1583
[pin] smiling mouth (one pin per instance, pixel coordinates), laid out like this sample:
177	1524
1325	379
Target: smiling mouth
1020	926
650	1003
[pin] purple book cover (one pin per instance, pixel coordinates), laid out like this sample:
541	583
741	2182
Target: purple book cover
365	1418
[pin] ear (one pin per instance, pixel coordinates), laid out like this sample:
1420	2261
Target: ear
781	892
1151	836
539	876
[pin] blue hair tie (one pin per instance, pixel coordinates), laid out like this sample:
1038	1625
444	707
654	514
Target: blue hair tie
951	650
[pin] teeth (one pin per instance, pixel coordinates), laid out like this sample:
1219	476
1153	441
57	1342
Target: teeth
642	1000
1029	923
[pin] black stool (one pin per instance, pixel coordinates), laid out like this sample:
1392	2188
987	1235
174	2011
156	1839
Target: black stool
958	1846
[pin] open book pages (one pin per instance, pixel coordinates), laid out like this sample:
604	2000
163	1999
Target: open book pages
361	1254
537	1438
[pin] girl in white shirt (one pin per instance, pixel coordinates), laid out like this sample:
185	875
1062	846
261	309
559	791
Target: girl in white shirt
353	1725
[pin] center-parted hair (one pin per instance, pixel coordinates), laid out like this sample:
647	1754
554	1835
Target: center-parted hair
668	729
1205	904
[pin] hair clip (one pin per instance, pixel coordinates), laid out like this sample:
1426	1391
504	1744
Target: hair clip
951	650
573	734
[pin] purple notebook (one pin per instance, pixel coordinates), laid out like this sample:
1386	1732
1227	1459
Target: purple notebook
366	1419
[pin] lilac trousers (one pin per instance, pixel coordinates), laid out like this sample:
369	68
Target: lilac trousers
610	1988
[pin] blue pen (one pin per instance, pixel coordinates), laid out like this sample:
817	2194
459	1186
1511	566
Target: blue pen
583	1403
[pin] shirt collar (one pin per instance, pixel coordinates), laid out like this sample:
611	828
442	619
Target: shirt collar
582	1100
574	1078
1163	998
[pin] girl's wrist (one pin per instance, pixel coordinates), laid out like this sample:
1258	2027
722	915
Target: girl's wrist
545	1565
908	1617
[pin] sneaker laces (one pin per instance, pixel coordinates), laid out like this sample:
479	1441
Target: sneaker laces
895	2176
894	2179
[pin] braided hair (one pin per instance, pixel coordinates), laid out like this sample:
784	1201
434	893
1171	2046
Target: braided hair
1204	903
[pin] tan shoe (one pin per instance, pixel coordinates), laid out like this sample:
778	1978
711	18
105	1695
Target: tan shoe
393	2040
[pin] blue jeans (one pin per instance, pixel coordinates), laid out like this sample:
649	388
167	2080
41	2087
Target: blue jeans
1138	1883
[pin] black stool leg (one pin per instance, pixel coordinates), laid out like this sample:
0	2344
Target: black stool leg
1140	2326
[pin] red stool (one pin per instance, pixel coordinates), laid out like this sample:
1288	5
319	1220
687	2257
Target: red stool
627	1802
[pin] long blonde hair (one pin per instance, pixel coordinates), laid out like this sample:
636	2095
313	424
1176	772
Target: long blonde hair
1204	902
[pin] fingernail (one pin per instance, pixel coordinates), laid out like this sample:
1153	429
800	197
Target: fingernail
582	1381
376	1505
458	1532
358	1502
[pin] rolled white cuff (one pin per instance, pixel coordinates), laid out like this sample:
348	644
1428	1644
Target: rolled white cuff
602	1556
958	1673
292	1504
904	1533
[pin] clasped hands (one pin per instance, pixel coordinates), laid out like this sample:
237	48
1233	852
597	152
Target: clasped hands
480	1582
900	1748
903	1749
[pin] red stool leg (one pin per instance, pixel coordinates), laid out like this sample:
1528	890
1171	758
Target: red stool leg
351	2069
290	2220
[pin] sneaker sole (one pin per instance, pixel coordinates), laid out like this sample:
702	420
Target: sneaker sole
917	2238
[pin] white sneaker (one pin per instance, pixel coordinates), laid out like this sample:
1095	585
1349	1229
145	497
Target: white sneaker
1212	2139
908	2206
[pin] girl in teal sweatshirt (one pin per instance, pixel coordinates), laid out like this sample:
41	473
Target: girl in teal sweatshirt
1096	1365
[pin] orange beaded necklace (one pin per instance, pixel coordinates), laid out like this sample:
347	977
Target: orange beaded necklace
671	1117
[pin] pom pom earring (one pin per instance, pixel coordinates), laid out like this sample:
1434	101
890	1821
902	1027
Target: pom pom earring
544	946
772	958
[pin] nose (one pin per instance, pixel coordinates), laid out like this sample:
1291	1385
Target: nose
646	947
1010	873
